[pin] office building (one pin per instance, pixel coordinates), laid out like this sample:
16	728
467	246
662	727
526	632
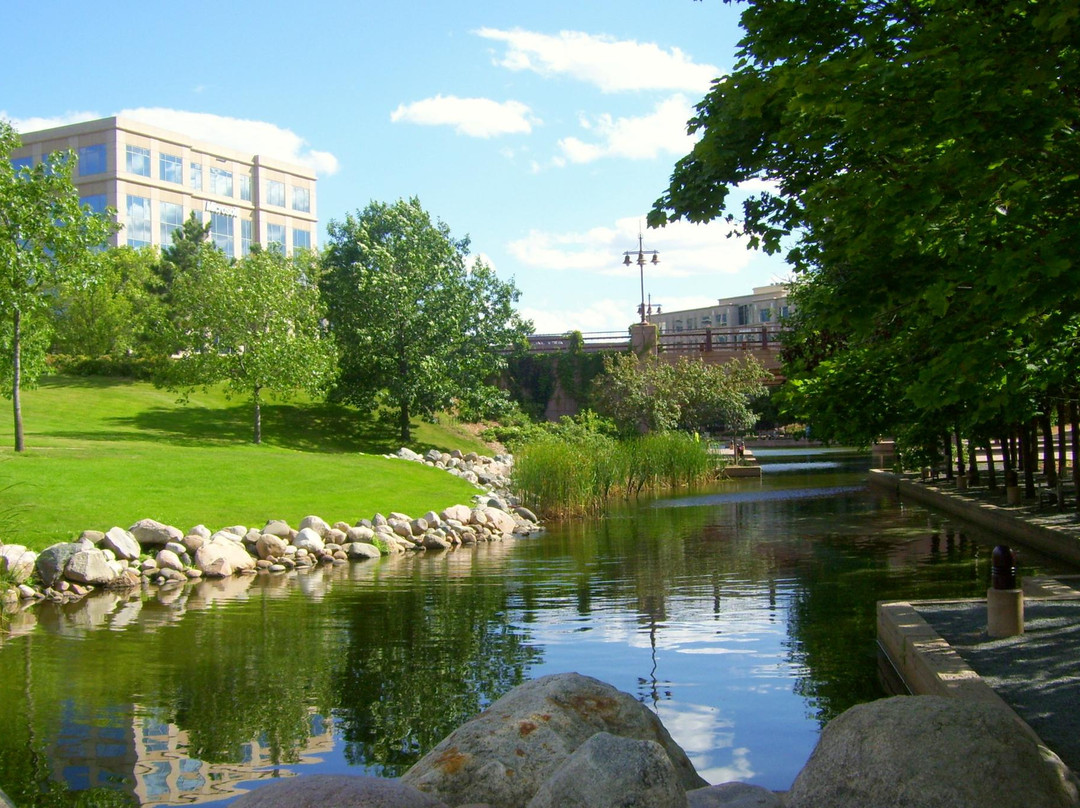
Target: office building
154	179
766	306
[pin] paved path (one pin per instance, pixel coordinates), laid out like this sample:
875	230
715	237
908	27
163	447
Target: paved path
1036	673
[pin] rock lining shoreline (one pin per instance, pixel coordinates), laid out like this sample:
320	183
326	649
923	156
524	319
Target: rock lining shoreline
150	553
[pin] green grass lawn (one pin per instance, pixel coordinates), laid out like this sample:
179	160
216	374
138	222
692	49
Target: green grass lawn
104	452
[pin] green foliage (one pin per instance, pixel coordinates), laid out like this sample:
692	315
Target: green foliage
532	378
417	329
578	470
924	179
110	312
253	324
121	367
650	395
111	451
47	242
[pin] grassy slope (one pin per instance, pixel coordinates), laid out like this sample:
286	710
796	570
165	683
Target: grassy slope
104	452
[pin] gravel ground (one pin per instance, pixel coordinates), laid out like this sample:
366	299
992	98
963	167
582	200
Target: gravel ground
1037	673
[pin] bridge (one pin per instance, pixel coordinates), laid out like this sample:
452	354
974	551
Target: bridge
711	345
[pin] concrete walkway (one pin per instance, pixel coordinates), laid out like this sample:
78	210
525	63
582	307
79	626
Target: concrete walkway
942	647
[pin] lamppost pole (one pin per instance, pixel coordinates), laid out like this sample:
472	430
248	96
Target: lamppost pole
640	261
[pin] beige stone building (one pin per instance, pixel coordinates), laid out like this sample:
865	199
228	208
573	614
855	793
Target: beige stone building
766	306
154	179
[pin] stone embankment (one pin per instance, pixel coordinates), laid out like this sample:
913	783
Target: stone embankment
152	553
571	741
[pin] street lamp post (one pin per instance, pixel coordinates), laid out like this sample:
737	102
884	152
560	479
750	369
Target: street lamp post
641	253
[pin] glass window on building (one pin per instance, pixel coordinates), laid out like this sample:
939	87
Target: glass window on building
92	160
138	221
138	161
196	176
172	218
706	321
301	199
765	315
221	232
245	187
220	181
171	168
783	312
22	162
301	239
275	193
721	318
96	202
275	237
246	229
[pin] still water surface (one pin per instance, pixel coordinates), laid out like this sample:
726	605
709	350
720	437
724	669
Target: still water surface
743	614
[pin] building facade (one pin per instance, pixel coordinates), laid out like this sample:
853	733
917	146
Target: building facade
766	306
154	179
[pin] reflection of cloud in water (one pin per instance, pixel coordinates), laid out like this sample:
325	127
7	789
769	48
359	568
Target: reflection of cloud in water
701	731
739	770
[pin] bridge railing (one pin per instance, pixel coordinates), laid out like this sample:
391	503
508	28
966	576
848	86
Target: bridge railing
591	341
728	338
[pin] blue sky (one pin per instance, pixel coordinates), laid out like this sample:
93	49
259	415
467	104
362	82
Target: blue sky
543	130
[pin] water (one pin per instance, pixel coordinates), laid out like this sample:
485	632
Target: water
743	614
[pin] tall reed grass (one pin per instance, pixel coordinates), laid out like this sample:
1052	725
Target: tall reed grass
559	476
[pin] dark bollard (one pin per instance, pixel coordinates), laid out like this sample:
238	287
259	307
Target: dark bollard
1004	601
1003	568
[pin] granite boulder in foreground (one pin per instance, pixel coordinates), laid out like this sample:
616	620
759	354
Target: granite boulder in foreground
336	791
931	752
503	756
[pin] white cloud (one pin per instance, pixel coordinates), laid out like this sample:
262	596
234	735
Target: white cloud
243	135
610	64
34	124
607	314
643	138
476	117
686	249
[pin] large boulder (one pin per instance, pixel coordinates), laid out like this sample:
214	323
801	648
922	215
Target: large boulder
271	545
221	557
122	542
502	756
310	540
151	533
17	562
52	560
733	795
612	772
337	791
928	752
89	567
316	523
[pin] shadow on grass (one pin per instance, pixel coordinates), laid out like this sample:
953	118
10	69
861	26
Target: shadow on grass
329	428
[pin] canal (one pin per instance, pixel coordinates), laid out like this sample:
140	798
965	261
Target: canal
743	614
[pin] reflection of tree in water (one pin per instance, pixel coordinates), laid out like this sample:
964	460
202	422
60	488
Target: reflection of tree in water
420	661
832	616
253	675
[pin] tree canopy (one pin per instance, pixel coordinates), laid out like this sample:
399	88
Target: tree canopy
417	328
254	324
47	241
921	166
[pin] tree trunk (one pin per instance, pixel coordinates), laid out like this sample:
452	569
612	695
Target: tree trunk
16	378
1074	423
959	454
1049	467
991	474
1062	416
257	436
1027	451
973	462
1007	465
403	423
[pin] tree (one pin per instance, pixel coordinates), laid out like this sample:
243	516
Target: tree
651	395
254	324
416	328
926	175
47	240
107	315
